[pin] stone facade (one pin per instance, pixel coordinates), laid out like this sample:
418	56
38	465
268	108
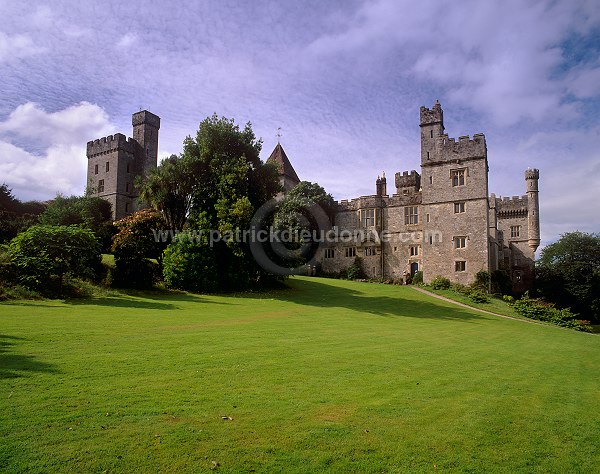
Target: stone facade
115	161
442	221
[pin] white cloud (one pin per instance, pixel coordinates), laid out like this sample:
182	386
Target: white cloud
62	137
499	58
127	40
17	46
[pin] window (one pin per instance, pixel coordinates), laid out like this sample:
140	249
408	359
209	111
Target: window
427	155
460	242
414	250
127	187
459	207
367	217
460	266
431	240
515	231
101	186
431	180
95	169
428	217
405	192
107	166
129	167
126	207
431	133
458	177
369	251
329	253
518	276
411	215
350	251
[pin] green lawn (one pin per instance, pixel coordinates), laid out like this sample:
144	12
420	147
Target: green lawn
329	376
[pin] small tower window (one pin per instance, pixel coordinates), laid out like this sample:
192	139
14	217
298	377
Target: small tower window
460	266
515	231
107	166
459	207
95	169
431	133
427	155
101	186
126	207
431	180
127	187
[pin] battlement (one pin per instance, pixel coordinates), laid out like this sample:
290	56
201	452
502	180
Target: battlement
532	173
118	141
511	207
464	148
431	116
406	180
144	117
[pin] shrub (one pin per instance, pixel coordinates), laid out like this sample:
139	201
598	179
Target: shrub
509	299
462	289
482	281
133	246
418	278
541	311
355	271
44	255
478	296
440	283
190	266
500	282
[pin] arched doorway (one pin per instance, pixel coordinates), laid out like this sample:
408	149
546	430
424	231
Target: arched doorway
414	268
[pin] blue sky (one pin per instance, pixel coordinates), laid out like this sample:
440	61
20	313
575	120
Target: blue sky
344	80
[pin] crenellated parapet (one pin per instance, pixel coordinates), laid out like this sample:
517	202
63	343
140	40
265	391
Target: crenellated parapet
407	180
435	115
512	207
111	143
449	149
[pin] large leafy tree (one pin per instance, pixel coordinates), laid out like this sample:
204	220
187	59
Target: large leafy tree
568	273
230	184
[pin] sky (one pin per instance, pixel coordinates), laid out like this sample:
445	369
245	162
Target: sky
343	79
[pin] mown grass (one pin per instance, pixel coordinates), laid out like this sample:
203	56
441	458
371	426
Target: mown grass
328	376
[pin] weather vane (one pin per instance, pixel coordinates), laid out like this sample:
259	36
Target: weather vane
278	134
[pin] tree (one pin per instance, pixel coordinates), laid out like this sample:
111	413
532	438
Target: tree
93	213
169	188
230	183
568	274
44	254
16	216
304	211
133	246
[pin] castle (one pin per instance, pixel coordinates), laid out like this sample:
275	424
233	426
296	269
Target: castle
441	221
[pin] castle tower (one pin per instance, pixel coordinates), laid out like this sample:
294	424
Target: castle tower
114	163
532	177
145	132
381	185
432	127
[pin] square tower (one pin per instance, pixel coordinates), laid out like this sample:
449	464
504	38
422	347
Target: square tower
114	162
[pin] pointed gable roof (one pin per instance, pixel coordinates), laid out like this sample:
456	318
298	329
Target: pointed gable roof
286	169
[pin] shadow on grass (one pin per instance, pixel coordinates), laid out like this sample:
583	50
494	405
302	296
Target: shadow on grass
18	365
318	293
